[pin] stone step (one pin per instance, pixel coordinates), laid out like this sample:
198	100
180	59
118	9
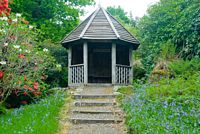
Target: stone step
96	110
93	96
94	102
95	118
96	128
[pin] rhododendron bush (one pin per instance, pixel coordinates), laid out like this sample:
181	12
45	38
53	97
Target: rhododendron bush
23	64
4	7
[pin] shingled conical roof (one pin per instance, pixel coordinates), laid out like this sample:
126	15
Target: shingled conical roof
100	25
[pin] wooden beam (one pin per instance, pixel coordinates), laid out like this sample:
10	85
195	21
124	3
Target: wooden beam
131	65
69	64
85	62
113	63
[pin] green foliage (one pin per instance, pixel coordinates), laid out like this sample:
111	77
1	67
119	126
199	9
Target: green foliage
167	52
121	15
170	105
176	87
127	90
57	77
41	117
124	92
138	72
2	109
170	21
185	68
54	18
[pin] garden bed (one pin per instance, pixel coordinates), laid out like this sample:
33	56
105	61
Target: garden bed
42	117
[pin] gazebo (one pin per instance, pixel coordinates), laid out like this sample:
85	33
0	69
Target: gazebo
100	51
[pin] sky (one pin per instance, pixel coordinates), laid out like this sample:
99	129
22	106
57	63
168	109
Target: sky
137	7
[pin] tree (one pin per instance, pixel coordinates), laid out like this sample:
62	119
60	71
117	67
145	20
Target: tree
170	21
54	18
121	15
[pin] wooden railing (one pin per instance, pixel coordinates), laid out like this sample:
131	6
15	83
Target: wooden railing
123	74
77	74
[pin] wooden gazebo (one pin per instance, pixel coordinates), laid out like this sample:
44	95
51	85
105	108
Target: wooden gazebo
100	51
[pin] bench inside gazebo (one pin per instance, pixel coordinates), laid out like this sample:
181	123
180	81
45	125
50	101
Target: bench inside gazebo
100	51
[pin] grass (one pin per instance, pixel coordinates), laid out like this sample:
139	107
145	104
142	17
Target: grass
64	116
125	91
39	118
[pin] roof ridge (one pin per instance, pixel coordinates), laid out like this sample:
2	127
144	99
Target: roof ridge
123	27
89	22
75	28
110	22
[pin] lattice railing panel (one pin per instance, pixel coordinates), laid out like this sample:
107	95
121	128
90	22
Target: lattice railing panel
123	74
77	74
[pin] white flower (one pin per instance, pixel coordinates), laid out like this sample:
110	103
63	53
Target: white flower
4	18
5	44
27	51
20	50
18	15
16	46
30	27
45	50
15	20
3	62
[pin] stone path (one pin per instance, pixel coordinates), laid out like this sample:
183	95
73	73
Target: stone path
94	111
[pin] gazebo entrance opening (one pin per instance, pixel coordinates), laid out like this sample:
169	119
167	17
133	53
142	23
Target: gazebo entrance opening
99	63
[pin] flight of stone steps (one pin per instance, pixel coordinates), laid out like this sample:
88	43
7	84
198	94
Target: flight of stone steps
95	106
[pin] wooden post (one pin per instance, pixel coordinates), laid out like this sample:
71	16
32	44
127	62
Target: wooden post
69	64
131	65
113	63
85	62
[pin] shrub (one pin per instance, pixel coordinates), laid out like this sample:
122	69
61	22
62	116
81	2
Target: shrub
57	77
138	72
185	67
23	64
176	87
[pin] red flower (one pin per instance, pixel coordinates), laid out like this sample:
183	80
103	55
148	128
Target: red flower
27	87
21	56
35	93
1	74
4	7
35	85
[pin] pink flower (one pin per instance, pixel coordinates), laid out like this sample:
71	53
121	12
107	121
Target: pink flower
27	87
35	85
21	56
